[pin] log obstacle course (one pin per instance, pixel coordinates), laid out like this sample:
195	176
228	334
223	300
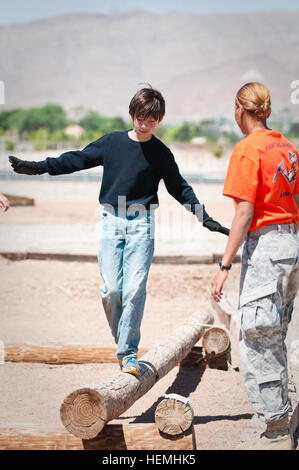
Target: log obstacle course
86	411
215	342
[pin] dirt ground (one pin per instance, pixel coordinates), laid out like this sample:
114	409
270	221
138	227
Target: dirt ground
53	301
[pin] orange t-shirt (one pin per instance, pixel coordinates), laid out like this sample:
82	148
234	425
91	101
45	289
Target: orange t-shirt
263	169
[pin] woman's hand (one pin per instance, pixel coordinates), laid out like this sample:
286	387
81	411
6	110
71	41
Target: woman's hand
217	284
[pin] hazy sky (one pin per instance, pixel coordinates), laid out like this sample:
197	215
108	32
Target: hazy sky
19	11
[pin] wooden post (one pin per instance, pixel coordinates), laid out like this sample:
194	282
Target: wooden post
19	200
57	353
216	341
85	412
174	415
34	437
139	436
216	345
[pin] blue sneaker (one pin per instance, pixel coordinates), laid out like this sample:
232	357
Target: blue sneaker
130	365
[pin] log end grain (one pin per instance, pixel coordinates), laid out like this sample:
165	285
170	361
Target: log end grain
173	417
215	341
83	413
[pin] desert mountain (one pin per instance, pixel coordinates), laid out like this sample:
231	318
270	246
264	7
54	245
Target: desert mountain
197	61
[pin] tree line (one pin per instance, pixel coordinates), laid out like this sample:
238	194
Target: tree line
46	124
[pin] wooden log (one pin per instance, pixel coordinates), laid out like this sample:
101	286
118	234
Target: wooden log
19	200
57	353
174	415
30	437
139	436
216	341
85	411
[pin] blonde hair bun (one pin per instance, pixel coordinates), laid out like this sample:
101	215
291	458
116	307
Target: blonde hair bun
254	97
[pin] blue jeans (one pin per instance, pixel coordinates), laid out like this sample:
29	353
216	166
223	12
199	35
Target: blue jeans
125	255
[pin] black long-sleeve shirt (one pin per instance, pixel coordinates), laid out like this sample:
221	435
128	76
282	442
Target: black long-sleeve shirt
131	169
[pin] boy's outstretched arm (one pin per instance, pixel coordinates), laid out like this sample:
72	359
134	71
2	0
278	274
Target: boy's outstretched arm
68	162
178	187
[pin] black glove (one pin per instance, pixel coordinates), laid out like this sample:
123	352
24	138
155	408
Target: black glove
23	166
214	226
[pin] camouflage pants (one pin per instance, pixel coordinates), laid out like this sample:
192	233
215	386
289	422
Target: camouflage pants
268	286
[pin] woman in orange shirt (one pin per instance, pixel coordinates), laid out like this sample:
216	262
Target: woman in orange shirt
262	179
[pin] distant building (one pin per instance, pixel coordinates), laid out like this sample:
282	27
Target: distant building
198	140
74	130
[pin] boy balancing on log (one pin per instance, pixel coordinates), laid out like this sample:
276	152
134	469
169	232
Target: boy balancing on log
134	162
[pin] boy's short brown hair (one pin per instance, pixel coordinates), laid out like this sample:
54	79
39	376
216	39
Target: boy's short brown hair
146	103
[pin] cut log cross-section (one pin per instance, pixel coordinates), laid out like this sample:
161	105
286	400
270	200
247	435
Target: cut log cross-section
216	341
85	411
174	415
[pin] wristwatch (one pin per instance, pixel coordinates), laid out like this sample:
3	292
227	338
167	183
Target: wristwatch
227	268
